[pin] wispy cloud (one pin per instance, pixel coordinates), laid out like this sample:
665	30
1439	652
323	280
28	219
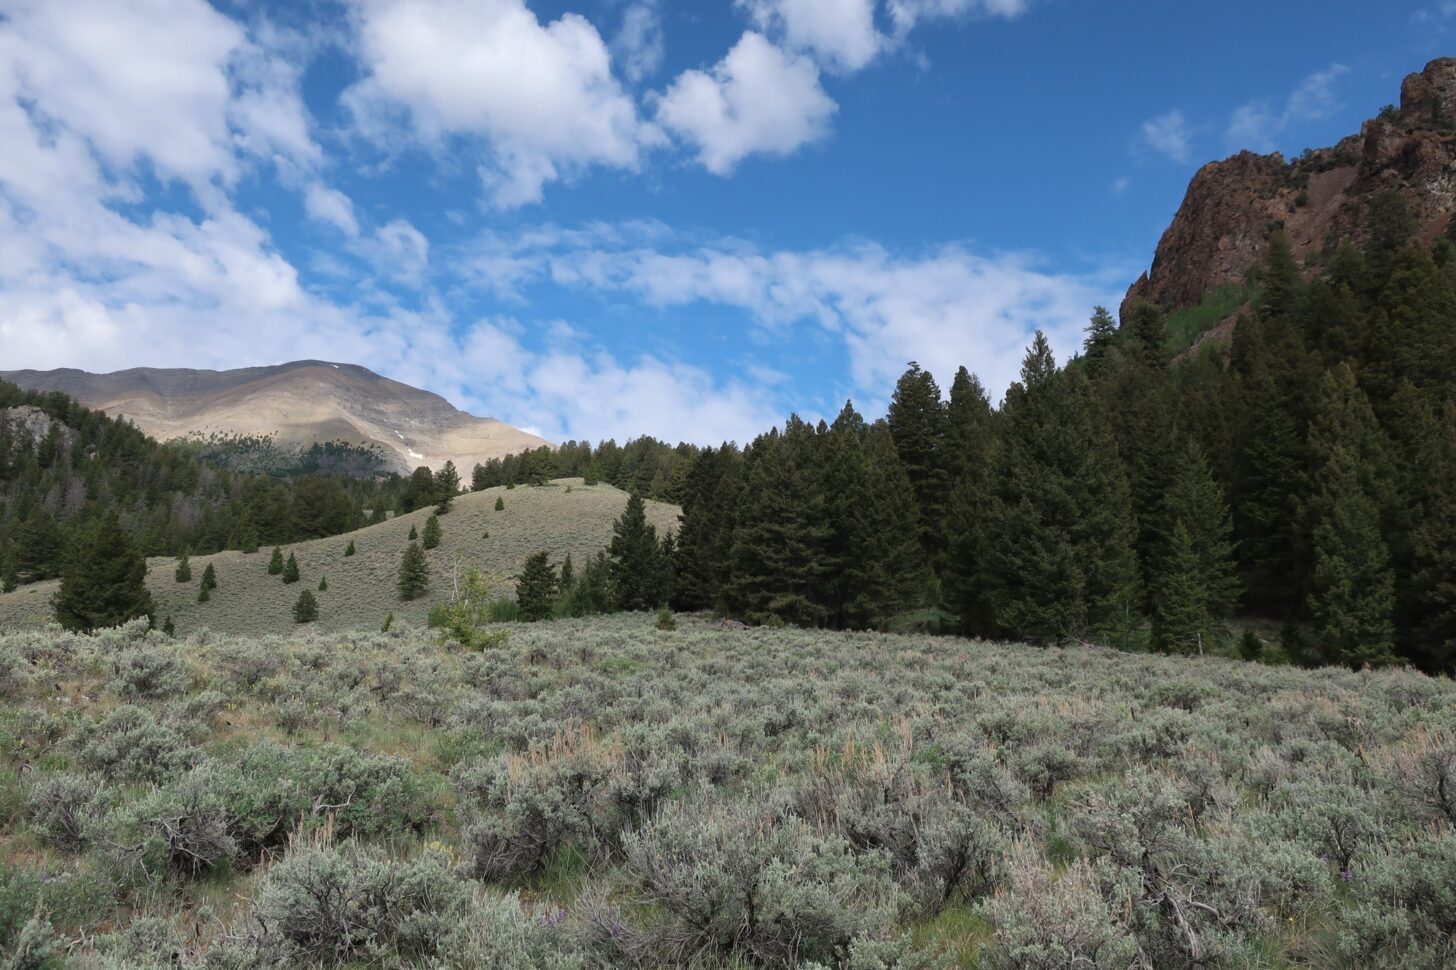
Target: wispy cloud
1168	135
1259	124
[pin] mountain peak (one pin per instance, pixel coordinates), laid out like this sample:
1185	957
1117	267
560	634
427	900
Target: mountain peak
299	403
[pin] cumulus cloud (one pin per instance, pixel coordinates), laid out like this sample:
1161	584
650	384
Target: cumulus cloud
839	33
541	98
945	308
1259	124
757	100
1168	135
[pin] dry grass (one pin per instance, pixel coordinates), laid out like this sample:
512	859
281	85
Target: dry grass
361	589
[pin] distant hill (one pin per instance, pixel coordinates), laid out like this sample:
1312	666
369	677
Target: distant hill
1222	228
362	587
294	405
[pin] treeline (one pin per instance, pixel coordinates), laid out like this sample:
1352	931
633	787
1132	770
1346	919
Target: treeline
64	467
1303	472
643	466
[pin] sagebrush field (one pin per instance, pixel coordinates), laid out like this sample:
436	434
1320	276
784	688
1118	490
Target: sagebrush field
563	517
605	793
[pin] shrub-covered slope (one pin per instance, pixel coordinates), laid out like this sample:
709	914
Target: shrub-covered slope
601	793
361	588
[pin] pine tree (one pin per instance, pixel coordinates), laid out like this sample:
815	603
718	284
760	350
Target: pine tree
1182	622
972	443
1432	612
323	584
480	478
918	424
1352	595
290	570
305	609
1101	339
1281	286
1269	463
536	588
275	563
413	534
634	555
1195	586
447	486
414	573
349	549
431	536
183	573
209	578
168	627
103	579
249	541
1147	332
500	503
1059	559
568	573
705	535
204	594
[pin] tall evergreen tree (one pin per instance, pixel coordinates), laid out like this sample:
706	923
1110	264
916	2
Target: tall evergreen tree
1352	595
413	577
1195	585
209	578
777	557
1101	339
635	558
1059	559
1147	332
536	587
447	486
103	579
705	536
1432	610
918	424
1281	285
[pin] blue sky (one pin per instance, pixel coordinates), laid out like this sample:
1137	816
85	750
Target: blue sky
613	217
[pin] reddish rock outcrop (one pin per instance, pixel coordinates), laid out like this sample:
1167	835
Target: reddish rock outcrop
1220	230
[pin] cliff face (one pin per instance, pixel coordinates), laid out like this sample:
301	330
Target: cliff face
298	404
1221	228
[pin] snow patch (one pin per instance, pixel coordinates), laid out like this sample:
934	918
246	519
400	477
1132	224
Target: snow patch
416	455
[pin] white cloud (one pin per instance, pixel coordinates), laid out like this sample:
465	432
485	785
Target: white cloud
399	251
542	97
1258	125
1168	135
757	100
840	33
1121	185
332	207
639	43
944	309
906	14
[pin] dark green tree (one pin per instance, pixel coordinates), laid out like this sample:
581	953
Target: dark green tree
349	549
413	577
275	562
430	538
413	534
705	537
183	573
168	627
1195	586
209	578
305	609
636	559
1147	333
103	579
1281	285
1352	594
918	424
536	587
1059	559
447	486
1101	339
500	503
323	584
290	569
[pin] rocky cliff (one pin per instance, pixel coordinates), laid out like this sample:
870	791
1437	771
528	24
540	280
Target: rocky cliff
1220	230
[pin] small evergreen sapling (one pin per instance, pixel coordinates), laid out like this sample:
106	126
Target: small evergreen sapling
324	584
209	577
349	549
275	563
413	534
306	609
290	569
184	569
431	537
414	573
500	503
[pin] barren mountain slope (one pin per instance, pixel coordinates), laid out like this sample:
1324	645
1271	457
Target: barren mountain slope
299	403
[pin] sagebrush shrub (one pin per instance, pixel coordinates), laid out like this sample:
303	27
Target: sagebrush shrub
62	808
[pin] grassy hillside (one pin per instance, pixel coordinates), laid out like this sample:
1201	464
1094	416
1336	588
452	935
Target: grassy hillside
599	793
361	589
